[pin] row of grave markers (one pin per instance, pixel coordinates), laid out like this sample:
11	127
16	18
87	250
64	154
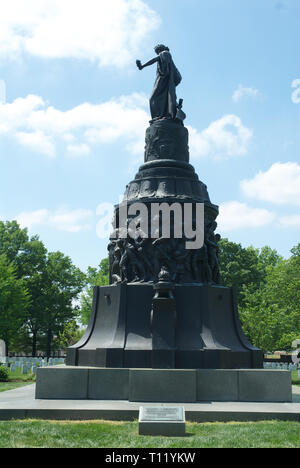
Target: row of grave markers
23	363
29	364
282	366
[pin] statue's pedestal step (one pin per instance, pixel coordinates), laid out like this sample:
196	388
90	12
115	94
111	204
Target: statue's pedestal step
163	385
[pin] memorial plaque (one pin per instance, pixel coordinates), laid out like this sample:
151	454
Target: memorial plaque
161	413
163	421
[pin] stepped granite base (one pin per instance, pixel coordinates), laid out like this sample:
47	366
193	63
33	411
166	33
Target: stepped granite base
163	385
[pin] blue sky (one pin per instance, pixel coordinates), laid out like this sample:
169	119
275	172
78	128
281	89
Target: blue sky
74	111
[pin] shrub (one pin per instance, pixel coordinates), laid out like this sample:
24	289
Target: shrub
3	374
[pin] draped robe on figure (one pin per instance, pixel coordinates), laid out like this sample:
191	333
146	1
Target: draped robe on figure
163	102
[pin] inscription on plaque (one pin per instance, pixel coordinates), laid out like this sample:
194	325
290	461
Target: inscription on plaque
162	414
162	420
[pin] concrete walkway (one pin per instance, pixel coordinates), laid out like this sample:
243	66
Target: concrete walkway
20	403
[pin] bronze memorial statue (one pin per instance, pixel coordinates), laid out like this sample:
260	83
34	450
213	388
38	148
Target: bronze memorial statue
165	329
163	102
165	307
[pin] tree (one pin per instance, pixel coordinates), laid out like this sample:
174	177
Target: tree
14	301
12	240
70	335
32	265
244	268
94	277
271	314
62	284
51	281
28	255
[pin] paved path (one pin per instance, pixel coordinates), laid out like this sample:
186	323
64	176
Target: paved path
20	403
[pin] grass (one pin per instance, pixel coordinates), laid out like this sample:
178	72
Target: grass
97	434
295	378
17	379
4	386
100	434
18	376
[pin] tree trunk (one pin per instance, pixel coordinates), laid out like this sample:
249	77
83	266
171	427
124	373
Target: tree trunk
34	338
6	341
49	342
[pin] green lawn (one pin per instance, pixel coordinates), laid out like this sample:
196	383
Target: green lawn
4	386
295	378
17	379
35	433
47	434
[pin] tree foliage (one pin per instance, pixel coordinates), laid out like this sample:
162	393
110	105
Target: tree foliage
245	267
14	301
62	284
271	314
94	277
70	335
52	284
43	294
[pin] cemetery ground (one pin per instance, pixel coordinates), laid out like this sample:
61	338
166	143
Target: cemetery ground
108	434
21	372
114	434
295	378
17	379
105	434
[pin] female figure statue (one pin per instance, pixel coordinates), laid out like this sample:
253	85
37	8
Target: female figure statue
163	102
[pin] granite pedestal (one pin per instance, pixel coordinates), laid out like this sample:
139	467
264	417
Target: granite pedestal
131	329
163	385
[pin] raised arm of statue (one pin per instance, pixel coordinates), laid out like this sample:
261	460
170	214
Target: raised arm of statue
151	62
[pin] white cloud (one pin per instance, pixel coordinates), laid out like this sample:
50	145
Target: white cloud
243	91
31	218
235	215
37	141
223	139
296	94
110	33
61	219
2	92
290	221
279	185
41	127
71	221
78	150
14	116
